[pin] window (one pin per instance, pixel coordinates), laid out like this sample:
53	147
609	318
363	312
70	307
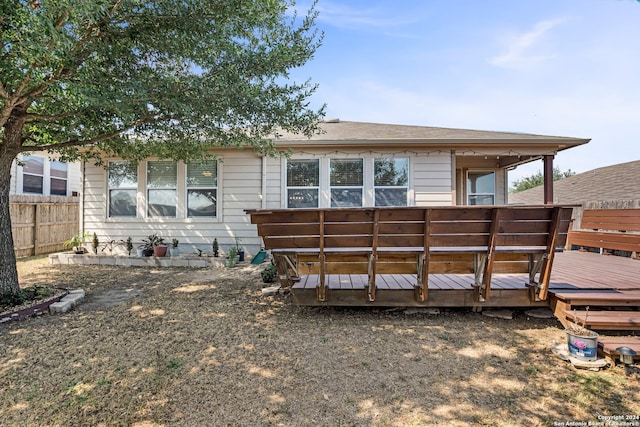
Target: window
58	177
202	189
303	181
33	175
162	188
391	181
123	188
481	188
346	181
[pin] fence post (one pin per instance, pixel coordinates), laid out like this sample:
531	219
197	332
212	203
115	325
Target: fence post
36	230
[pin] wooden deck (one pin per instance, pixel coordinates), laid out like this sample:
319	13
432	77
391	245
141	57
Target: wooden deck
573	271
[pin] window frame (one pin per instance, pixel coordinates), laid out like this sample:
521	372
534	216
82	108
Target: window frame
53	178
315	187
405	187
188	187
469	194
350	186
148	204
24	160
127	188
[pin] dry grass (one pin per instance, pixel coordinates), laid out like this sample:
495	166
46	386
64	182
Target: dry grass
180	347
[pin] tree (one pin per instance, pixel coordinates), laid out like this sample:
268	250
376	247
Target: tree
130	78
538	179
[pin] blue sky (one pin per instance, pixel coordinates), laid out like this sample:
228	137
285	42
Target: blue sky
550	67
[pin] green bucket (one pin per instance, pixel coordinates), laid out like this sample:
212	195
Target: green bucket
259	258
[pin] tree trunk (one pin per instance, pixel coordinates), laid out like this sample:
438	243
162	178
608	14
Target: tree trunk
8	270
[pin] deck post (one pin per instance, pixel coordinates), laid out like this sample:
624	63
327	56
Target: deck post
485	289
545	272
371	292
548	179
422	287
322	288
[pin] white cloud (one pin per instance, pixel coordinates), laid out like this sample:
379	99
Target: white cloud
338	15
522	49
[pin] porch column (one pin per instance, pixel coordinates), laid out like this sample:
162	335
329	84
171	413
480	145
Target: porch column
548	179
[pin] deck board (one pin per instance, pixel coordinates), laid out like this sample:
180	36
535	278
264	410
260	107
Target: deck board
573	271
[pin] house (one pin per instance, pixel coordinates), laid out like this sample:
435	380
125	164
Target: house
41	174
346	164
616	182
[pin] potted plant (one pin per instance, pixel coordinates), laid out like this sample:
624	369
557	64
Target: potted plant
239	250
159	248
582	342
174	247
95	243
216	248
76	241
232	257
129	244
153	245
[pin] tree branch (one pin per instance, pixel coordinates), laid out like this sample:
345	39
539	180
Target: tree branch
91	141
49	118
60	71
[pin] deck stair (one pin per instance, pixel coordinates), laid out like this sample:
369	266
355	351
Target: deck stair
607	309
607	347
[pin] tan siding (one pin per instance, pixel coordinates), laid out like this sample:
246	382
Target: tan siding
274	183
502	189
431	178
239	189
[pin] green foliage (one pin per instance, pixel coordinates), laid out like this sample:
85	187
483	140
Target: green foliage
151	241
77	240
270	273
175	243
538	179
215	247
129	244
95	243
130	79
11	299
163	77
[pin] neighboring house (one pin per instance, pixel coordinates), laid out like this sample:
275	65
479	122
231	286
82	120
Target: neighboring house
347	164
610	183
39	174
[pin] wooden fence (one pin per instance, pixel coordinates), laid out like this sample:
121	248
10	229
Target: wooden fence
41	224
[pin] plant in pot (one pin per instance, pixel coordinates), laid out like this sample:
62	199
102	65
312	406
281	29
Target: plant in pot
216	248
129	244
95	243
153	245
232	257
174	250
159	248
76	241
239	250
582	342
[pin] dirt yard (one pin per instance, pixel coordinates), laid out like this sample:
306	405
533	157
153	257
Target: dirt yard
181	347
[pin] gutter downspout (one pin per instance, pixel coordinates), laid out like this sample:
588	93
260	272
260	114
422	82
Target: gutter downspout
264	182
81	201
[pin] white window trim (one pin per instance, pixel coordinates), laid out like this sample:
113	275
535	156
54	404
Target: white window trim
66	179
183	173
324	196
362	187
495	185
46	177
319	187
108	195
181	194
408	187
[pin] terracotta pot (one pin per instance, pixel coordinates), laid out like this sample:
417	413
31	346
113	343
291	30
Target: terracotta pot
159	251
